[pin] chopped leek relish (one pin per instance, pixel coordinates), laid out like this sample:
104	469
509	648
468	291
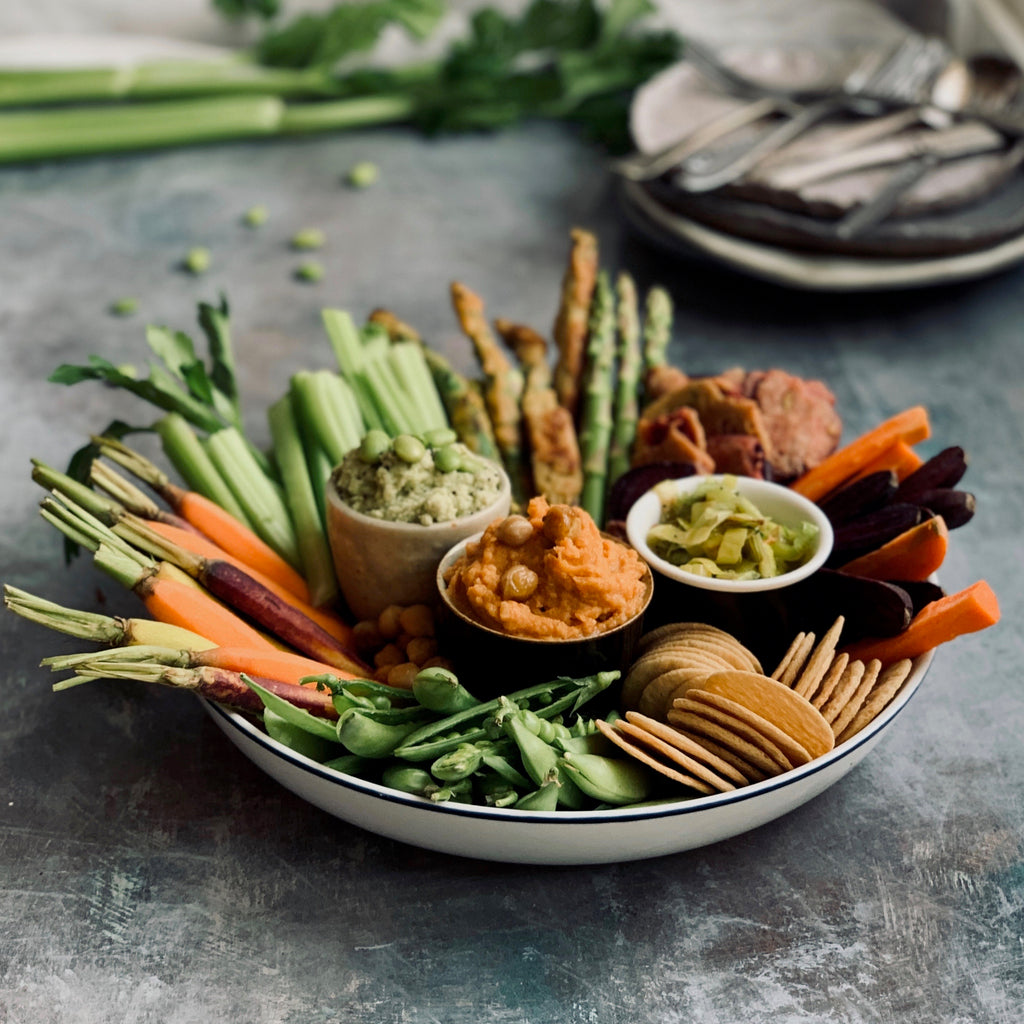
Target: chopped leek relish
715	531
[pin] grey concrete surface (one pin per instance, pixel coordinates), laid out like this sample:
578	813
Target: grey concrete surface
150	874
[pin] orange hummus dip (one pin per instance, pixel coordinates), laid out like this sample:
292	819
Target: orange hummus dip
548	575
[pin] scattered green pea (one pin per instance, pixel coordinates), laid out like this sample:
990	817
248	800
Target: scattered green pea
255	216
409	448
362	174
197	260
375	443
308	238
124	307
310	271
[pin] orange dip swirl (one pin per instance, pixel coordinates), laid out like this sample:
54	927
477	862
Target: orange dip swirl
548	575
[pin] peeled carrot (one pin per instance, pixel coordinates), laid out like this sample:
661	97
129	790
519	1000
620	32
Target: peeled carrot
899	457
912	555
281	665
189	606
199	544
967	611
910	426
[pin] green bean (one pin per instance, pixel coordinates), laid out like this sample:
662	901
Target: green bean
407	779
439	690
610	780
363	733
457	764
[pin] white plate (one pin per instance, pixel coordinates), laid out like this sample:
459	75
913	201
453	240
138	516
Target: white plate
808	271
563	837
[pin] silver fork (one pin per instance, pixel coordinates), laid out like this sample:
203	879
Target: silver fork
902	76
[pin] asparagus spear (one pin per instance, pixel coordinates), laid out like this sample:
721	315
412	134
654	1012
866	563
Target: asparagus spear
626	394
570	330
657	330
596	417
554	451
502	384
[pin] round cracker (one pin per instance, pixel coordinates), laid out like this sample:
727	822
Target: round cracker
690	764
817	665
732	655
636	751
856	702
671	629
741	725
726	736
777	702
745	768
885	689
687	745
794	751
649	666
658	694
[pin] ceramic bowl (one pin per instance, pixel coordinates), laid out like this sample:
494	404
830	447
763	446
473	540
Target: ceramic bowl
380	563
757	612
562	837
501	662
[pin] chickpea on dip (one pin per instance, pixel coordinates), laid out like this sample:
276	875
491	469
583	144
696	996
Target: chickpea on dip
549	574
408	479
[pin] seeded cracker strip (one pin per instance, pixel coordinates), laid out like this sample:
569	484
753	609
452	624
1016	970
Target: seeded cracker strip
856	702
832	677
845	689
817	666
888	685
794	660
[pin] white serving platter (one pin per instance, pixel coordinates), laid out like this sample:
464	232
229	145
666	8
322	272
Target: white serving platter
562	837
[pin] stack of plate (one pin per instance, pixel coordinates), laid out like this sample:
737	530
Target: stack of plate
962	218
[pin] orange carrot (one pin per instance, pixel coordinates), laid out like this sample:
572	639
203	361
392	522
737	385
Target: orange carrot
909	426
972	609
189	606
281	665
199	544
899	457
912	555
238	540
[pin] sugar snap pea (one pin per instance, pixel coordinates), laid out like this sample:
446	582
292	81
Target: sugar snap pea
424	743
407	779
496	791
457	764
299	718
298	739
370	735
544	798
439	690
610	780
540	759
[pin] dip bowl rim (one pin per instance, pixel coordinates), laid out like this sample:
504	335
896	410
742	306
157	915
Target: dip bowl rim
646	512
504	495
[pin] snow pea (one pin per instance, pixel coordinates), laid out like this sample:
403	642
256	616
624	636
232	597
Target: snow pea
439	690
371	734
540	759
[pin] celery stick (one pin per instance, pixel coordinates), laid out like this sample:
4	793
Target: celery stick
406	358
255	492
317	409
182	446
300	490
348	352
